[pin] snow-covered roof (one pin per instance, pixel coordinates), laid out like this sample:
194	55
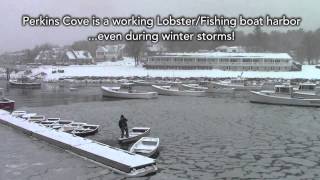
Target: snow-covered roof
78	55
232	55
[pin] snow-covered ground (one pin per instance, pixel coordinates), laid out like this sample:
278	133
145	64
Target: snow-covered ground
126	68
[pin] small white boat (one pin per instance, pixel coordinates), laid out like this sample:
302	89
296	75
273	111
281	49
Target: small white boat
135	134
86	130
238	84
37	118
117	92
18	113
282	95
173	91
71	126
146	146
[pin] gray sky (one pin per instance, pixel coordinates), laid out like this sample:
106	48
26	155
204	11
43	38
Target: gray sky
16	37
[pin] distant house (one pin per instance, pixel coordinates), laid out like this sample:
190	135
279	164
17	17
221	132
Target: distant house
52	56
232	49
78	57
110	52
155	49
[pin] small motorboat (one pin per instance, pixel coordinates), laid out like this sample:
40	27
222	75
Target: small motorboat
135	134
5	103
146	146
18	113
85	130
117	92
173	91
37	118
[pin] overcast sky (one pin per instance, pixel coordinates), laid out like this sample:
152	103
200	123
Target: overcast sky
15	37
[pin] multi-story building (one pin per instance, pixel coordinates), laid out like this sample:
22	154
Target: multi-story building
110	52
223	61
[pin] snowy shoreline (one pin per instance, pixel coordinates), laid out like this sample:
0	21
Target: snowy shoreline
127	69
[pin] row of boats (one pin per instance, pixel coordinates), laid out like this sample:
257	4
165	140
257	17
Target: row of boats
303	94
68	126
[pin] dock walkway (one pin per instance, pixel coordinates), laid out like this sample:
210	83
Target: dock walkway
116	159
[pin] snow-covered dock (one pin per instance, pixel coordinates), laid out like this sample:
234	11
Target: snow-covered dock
119	160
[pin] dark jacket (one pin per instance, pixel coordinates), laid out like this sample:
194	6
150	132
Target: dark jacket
123	122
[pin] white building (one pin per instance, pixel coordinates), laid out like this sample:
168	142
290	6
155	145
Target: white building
110	52
78	57
52	56
222	60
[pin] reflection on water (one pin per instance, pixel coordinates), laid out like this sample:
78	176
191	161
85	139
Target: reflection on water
200	137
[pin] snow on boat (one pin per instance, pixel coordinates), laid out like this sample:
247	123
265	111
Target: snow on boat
37	118
18	113
72	126
146	146
173	91
117	92
5	103
28	115
282	95
86	130
135	134
238	84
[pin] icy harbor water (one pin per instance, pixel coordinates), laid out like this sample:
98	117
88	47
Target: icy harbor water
200	137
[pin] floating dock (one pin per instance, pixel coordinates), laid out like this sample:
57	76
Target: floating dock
119	160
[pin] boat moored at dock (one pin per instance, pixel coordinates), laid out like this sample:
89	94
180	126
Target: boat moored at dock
282	95
117	92
238	85
146	146
174	91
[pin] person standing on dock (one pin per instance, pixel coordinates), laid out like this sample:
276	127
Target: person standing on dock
123	126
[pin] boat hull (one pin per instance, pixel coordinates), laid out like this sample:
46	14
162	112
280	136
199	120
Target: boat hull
238	87
170	92
108	92
259	97
7	104
24	85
